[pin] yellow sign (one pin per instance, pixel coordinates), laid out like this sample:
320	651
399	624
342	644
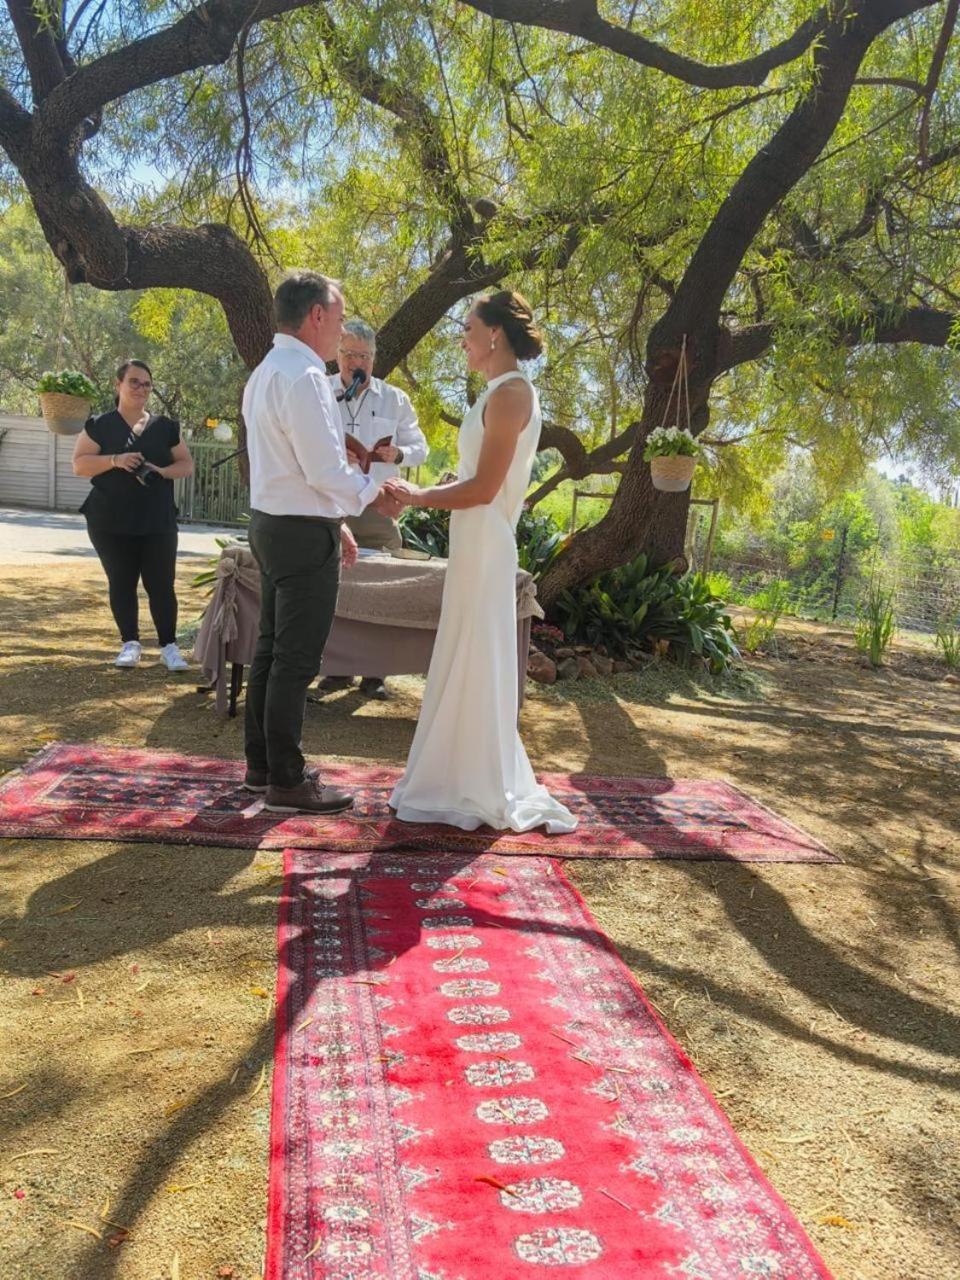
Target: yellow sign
827	534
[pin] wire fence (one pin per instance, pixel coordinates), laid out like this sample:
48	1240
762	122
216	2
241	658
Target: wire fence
925	598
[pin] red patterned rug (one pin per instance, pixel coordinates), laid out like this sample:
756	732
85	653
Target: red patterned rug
89	792
470	1085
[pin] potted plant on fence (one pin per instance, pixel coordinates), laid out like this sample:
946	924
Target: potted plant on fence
65	401
672	453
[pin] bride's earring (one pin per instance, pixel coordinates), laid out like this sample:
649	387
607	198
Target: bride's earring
493	344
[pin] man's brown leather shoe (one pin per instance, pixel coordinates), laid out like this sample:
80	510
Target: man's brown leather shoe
308	796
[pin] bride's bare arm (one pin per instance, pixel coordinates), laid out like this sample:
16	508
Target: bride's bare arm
505	415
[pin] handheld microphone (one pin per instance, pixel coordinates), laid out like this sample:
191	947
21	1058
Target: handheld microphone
357	379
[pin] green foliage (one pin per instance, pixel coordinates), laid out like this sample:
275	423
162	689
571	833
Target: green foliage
426	530
182	336
948	642
721	584
829	545
769	605
539	539
634	605
876	625
71	383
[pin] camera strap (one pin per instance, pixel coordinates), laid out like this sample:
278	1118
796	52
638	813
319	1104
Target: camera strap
133	439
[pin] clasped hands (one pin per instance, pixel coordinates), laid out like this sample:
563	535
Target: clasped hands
394	495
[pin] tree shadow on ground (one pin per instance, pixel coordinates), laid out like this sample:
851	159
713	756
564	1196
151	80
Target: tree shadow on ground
764	917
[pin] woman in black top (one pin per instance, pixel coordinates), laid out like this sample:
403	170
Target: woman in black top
132	458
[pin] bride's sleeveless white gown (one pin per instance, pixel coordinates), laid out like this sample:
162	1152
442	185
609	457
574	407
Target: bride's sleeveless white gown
467	765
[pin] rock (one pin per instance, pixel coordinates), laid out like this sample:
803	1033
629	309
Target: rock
563	652
621	668
603	665
586	667
540	668
568	669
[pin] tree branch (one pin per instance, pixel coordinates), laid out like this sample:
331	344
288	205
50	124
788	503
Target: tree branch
892	82
203	37
381	91
933	76
578	461
580	18
927	326
775	169
14	122
209	259
38	42
461	271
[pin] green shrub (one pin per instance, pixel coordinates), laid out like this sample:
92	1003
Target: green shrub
876	625
539	539
948	641
634	606
721	585
769	605
426	530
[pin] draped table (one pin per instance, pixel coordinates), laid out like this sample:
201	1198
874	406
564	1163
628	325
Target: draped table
386	620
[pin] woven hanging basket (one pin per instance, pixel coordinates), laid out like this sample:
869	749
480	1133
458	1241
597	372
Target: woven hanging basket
672	473
63	414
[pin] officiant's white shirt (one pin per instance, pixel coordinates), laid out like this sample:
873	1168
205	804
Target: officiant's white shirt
382	410
298	464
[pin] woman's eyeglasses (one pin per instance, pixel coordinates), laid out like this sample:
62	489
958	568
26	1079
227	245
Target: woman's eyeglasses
137	385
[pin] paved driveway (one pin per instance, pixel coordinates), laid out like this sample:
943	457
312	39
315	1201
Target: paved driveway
30	536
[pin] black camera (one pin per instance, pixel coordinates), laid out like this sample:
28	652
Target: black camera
146	475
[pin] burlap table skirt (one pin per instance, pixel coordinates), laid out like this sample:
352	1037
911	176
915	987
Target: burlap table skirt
387	615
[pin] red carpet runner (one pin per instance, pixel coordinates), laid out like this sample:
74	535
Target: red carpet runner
469	1085
88	792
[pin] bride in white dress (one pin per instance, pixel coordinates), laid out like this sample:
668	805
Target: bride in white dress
467	765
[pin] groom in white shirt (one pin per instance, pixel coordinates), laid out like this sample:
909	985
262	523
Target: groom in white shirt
301	486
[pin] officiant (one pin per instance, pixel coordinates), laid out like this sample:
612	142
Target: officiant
384	421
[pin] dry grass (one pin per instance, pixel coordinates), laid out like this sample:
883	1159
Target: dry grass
819	1002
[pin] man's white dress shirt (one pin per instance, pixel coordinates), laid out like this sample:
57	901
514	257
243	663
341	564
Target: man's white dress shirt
381	410
298	464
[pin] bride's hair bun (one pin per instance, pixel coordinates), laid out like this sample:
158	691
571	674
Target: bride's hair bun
512	313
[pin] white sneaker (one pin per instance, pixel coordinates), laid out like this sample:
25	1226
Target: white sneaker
129	655
174	658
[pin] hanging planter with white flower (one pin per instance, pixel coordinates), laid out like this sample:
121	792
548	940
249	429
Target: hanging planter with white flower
65	401
672	454
673	451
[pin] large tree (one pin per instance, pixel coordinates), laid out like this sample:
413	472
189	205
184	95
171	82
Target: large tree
758	183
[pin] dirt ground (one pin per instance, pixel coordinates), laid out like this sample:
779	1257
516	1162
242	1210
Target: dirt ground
820	1003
